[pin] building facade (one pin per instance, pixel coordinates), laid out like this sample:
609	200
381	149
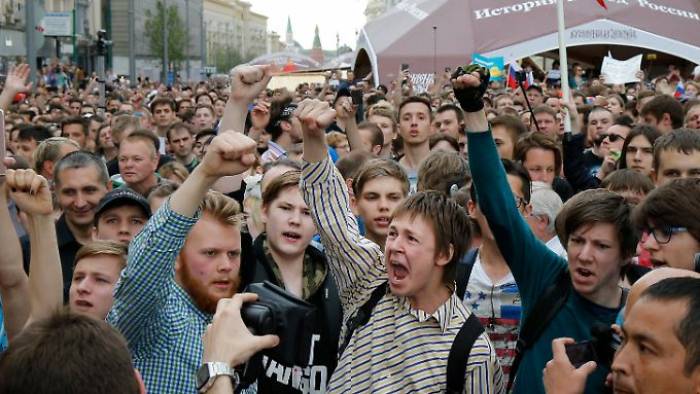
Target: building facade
234	33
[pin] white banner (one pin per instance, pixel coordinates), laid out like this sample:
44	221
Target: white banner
619	72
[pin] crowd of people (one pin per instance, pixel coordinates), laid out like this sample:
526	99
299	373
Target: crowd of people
452	240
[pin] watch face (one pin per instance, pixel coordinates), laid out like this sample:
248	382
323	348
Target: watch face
202	376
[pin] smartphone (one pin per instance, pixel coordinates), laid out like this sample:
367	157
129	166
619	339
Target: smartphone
3	148
615	154
356	95
581	353
404	67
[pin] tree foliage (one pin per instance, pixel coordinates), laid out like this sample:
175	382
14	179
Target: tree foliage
177	32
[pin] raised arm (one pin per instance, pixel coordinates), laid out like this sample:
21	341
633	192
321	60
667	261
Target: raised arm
15	82
356	263
347	113
32	195
532	264
246	83
14	287
146	281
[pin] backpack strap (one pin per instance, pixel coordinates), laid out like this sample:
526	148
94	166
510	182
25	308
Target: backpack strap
464	271
547	305
459	354
362	315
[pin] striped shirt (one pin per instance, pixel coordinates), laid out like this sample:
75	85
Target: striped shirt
400	349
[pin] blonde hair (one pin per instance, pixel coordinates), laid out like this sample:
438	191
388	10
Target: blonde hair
50	150
224	209
174	168
103	248
335	138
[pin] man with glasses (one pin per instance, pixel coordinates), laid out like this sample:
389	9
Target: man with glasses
670	218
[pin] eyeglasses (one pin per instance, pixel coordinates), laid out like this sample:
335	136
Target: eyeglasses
611	137
663	235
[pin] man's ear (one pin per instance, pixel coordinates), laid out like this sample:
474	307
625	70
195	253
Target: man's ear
445	258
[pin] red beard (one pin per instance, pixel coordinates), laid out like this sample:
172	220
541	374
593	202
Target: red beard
205	301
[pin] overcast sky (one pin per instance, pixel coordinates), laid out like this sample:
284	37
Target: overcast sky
333	17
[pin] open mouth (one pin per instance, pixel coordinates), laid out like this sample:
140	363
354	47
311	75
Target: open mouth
397	272
584	272
382	221
658	263
291	236
83	304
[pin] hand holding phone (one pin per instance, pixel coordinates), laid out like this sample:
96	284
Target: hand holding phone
581	353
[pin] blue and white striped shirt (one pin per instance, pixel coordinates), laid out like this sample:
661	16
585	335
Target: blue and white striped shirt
400	349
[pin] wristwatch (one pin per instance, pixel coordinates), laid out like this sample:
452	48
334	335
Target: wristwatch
208	372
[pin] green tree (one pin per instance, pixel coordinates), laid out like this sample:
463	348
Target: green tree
177	32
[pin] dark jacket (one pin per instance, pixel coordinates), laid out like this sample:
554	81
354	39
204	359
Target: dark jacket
580	167
315	377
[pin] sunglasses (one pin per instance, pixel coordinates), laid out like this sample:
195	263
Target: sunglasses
610	137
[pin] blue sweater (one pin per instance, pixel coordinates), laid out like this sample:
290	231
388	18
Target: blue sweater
534	267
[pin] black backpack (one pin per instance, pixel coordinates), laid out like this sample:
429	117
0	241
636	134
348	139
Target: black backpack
459	352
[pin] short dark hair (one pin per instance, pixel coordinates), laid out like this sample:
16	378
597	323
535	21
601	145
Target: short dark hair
664	104
160	101
179	126
449	222
624	120
416	99
351	164
686	290
670	205
627	179
542	141
451	107
535	87
511	168
377	135
513	125
68	353
681	140
649	132
544	109
439	137
377	168
276	107
33	132
79	120
599	206
207	106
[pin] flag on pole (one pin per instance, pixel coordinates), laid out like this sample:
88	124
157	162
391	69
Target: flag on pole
602	4
512	81
680	90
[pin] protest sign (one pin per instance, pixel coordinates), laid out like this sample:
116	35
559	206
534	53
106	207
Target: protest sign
621	71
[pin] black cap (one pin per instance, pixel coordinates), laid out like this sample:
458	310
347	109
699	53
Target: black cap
120	197
342	92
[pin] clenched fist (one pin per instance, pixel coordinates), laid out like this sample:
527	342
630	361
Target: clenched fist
229	153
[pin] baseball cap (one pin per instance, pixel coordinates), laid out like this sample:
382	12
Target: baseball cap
120	197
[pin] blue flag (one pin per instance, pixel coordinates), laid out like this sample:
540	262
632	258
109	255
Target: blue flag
495	65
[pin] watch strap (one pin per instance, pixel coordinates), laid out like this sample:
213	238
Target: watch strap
217	369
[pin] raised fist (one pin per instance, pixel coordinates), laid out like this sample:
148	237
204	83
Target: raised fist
29	191
248	81
469	84
229	153
315	117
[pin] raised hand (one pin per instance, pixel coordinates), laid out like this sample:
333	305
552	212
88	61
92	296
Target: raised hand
260	115
347	109
29	191
16	80
315	116
229	153
248	81
469	84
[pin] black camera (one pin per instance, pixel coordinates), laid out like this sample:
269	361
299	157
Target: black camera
280	313
601	348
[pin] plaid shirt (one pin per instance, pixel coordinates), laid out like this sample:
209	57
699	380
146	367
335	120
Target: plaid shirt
161	323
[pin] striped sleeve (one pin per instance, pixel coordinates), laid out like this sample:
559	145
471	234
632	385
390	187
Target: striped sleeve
357	264
144	285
